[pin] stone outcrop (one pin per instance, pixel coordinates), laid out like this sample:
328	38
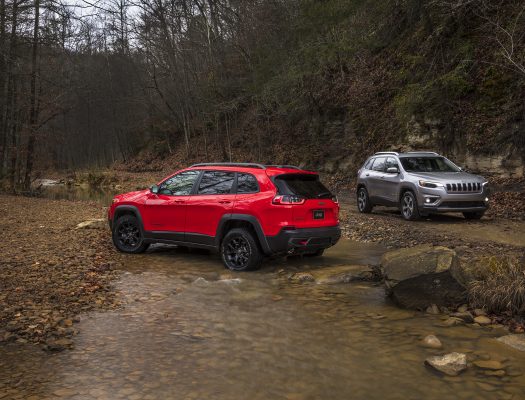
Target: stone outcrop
420	276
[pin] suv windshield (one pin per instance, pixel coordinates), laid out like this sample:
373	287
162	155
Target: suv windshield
427	164
306	185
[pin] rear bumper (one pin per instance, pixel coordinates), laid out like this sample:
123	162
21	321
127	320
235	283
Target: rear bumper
298	241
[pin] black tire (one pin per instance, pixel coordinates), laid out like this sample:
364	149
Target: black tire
363	201
317	253
473	215
240	251
127	235
408	207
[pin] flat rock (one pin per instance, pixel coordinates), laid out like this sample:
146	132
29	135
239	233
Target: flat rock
499	372
515	341
482	320
451	364
98	223
465	316
402	264
452	321
488	364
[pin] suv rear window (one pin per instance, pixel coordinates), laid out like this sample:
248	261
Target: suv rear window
246	183
305	185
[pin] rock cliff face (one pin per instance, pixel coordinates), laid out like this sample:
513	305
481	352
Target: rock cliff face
337	151
505	161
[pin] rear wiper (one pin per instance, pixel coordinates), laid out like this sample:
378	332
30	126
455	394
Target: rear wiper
323	194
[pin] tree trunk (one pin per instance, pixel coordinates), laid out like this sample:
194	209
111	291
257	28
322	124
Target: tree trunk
33	100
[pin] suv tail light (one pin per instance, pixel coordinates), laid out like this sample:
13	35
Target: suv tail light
288	199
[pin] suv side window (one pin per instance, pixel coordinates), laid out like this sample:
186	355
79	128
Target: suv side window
391	162
216	182
180	184
379	164
368	164
246	183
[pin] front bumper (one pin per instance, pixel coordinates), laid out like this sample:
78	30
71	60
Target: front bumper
305	240
438	200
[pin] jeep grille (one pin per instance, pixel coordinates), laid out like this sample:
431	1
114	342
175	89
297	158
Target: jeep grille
463	187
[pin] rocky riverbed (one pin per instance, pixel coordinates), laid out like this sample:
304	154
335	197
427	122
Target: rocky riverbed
50	271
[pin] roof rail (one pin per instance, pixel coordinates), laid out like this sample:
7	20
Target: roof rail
422	152
395	153
230	164
283	166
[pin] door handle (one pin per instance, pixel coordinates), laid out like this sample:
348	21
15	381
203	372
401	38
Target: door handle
224	201
367	174
180	201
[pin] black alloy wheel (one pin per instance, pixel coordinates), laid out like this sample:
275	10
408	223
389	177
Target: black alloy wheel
240	251
127	235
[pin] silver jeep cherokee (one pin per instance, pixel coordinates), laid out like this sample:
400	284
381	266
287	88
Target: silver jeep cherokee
420	183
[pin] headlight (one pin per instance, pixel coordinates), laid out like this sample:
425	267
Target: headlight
431	185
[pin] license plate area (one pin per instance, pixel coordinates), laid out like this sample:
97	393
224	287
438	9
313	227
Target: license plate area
318	214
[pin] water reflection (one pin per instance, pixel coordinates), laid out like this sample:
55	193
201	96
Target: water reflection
79	193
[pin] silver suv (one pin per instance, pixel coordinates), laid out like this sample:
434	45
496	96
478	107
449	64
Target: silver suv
420	183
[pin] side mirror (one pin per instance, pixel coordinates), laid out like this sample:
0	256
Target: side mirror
460	169
392	170
154	189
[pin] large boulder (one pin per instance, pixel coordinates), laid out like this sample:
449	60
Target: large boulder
420	276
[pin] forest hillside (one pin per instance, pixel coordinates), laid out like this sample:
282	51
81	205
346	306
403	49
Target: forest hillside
142	84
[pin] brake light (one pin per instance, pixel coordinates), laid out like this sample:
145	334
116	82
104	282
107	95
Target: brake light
287	199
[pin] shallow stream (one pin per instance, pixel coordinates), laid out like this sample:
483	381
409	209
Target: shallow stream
188	329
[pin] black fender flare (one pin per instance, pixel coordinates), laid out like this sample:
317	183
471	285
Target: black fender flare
124	209
252	220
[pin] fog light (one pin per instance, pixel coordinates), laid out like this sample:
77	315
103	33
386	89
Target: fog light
427	200
486	199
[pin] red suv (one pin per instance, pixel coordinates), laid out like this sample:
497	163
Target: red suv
245	211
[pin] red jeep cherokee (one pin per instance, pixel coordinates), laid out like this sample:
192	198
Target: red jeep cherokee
245	211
